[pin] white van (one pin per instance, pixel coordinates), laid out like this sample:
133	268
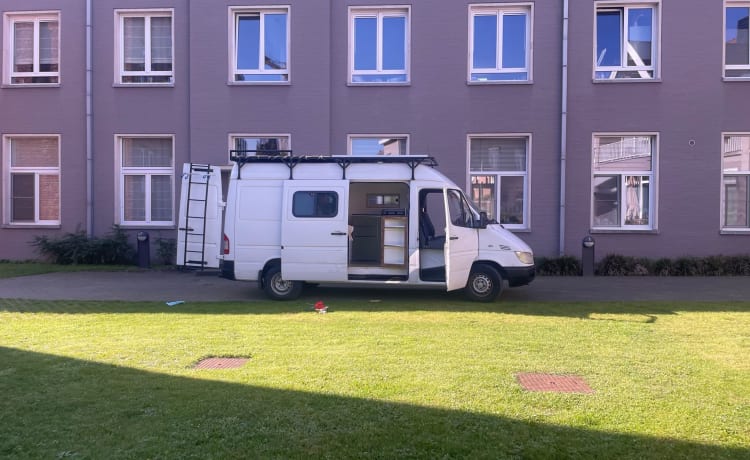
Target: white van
388	220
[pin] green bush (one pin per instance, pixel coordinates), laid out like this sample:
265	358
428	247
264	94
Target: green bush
77	248
618	265
166	249
560	266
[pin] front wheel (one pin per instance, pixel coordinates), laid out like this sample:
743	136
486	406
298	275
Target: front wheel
278	288
484	284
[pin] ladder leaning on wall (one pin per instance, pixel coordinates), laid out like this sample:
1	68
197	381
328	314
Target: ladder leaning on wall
194	225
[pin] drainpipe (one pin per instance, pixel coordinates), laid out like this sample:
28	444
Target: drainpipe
89	128
563	125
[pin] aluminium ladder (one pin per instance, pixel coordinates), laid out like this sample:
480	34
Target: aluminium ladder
195	216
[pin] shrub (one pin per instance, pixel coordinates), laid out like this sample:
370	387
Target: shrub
77	248
615	265
560	266
166	249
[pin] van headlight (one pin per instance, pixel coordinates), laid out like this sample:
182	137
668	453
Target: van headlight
525	257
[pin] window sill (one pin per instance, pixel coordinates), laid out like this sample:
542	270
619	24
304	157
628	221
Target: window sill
30	85
738	231
625	80
735	79
143	226
259	83
518	230
624	231
30	226
503	82
376	83
143	85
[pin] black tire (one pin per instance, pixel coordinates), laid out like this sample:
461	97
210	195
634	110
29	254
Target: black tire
484	285
278	288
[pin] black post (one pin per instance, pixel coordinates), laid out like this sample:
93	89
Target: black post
587	258
144	250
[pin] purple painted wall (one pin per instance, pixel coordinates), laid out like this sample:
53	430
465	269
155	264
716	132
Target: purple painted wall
438	110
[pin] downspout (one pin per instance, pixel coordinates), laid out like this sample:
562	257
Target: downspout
563	126
89	128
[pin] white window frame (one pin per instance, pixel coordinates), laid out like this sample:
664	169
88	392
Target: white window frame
726	67
233	136
10	18
121	172
643	70
9	170
501	9
746	173
352	137
499	174
380	12
653	185
120	72
234	13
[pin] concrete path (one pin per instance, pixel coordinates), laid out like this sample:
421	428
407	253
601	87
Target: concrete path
173	285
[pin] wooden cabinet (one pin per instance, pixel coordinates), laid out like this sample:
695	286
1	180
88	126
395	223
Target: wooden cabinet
394	240
378	240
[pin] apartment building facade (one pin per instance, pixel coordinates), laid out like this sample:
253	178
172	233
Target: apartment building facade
625	120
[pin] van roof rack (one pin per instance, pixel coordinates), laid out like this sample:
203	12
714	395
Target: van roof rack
286	157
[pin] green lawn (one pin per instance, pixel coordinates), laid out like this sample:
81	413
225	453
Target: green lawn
390	379
10	269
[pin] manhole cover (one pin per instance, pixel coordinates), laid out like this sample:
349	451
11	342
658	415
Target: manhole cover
551	382
220	363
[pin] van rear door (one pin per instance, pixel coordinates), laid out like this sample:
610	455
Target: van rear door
199	226
315	230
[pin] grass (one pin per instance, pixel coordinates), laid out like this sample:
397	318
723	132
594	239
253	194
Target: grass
393	379
10	269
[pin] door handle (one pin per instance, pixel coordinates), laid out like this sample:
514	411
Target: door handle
454	238
338	233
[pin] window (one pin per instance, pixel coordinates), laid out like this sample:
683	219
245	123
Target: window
146	175
378	145
32	54
626	41
315	204
624	182
379	45
499	178
144	46
736	40
499	42
250	142
32	180
260	45
736	182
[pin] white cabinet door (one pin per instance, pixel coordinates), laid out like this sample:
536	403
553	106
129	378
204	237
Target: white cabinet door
315	230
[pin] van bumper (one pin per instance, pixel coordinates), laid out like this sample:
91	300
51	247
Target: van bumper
520	276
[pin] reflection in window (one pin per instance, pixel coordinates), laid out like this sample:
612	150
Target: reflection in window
379	46
499	178
34	173
622	182
250	145
392	145
499	43
315	204
737	42
625	42
261	46
736	182
147	177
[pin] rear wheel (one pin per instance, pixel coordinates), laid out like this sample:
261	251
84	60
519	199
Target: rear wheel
278	288
484	284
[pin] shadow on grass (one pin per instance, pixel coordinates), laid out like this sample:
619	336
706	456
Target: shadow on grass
55	407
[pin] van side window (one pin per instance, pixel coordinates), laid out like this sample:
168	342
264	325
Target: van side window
460	213
315	204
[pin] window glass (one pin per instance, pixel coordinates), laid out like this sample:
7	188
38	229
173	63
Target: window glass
499	178
736	181
161	198
271	144
146	152
135	198
625	42
146	49
499	43
737	40
315	204
514	41
33	48
623	181
485	41
378	146
34	179
161	44
147	180
49	197
22	197
261	48
48	46
135	44
379	50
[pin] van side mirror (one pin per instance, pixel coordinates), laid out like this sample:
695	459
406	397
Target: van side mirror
483	221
